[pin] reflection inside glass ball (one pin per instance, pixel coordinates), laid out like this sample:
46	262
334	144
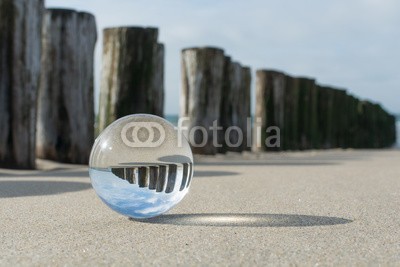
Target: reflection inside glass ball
135	177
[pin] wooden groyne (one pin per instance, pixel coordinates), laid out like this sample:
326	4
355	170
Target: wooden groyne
215	89
132	74
311	116
47	95
65	102
20	36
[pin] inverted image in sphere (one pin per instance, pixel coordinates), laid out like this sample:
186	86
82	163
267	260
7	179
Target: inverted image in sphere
141	166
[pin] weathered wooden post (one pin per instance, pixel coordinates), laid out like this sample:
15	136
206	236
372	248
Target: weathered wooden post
340	117
292	113
270	106
65	125
351	113
356	126
378	128
132	75
245	109
383	129
313	126
335	119
347	113
304	111
322	115
202	82
363	140
326	116
372	137
235	107
385	125
229	82
278	85
393	131
20	37
388	123
308	133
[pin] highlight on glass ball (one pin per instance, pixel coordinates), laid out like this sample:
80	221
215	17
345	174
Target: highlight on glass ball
140	167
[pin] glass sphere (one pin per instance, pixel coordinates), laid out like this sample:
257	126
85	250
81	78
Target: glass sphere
141	166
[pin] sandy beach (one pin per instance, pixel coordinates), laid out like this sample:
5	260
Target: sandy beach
335	207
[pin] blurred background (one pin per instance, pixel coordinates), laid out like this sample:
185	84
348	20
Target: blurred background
351	44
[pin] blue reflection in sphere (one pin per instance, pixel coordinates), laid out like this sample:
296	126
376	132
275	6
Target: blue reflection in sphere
141	166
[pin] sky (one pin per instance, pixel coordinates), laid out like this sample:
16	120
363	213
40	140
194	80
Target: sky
350	44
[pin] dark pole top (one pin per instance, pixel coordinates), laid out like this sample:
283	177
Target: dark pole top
272	71
133	28
67	12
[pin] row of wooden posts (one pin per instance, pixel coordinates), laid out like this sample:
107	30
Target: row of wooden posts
46	92
313	116
296	112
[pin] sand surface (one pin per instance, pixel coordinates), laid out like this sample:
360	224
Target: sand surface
305	208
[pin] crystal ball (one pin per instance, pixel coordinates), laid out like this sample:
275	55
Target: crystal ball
141	166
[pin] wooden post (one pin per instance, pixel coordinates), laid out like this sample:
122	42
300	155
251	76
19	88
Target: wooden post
307	113
381	125
363	140
322	115
340	117
351	113
65	125
291	134
157	85
385	125
393	131
270	105
326	116
371	125
202	82
313	126
390	129
227	99
133	74
245	108
235	107
20	36
278	91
